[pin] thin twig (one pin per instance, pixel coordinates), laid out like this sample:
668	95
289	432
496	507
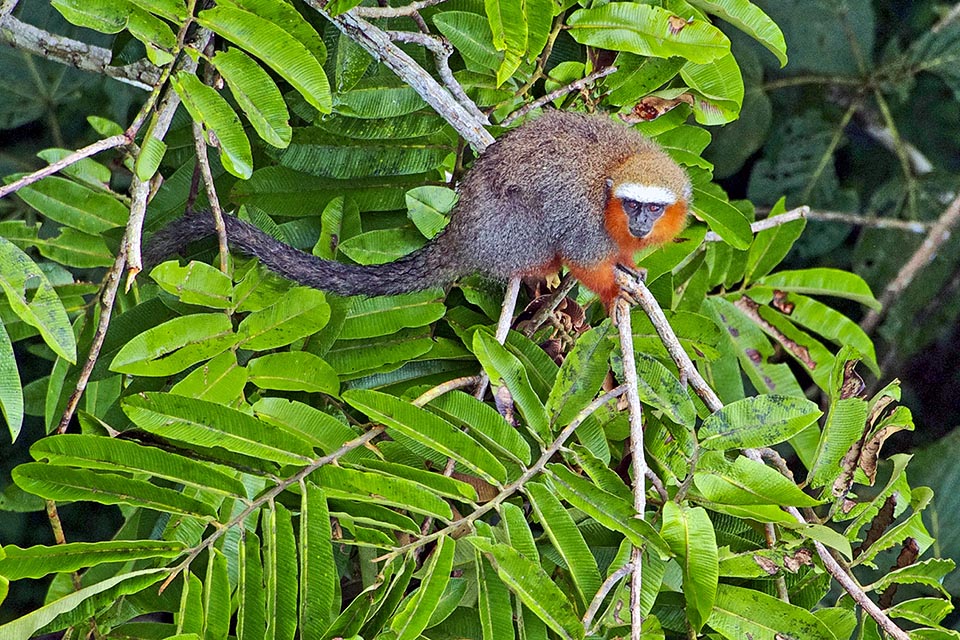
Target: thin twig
203	162
657	484
375	42
394	12
947	18
74	53
875	223
268	496
91	149
767	223
576	85
926	252
535	469
503	327
443	388
544	312
111	283
601	594
442	50
622	317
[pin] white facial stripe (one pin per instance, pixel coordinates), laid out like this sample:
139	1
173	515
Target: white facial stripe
645	193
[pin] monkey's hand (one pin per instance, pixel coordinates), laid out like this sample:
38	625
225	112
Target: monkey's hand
626	277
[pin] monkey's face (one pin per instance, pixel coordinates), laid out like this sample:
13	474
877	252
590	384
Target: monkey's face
643	205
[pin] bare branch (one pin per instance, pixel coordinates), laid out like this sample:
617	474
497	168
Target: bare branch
605	588
557	93
203	161
768	223
939	234
20	35
394	12
876	223
377	43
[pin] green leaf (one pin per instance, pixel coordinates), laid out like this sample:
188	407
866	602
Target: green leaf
175	345
493	598
567	540
413	618
322	430
211	425
209	108
739	612
428	207
114	454
319	582
251	612
216	597
660	389
63	483
539	17
352	357
509	28
40	561
771	246
300	312
33	299
26	626
150	157
276	47
724	219
690	535
580	376
87	170
172	10
638	76
382	489
197	283
429	430
483	422
646	30
470	34
257	95
75	205
611	511
375	99
744	481
293	371
11	391
219	380
279	570
845	425
533	586
74	248
437	483
385	315
759	421
750	19
506	370
719	89
826	282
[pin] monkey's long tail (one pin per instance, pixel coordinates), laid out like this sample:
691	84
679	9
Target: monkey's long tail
430	266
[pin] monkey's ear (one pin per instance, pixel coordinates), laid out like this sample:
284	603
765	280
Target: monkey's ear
609	182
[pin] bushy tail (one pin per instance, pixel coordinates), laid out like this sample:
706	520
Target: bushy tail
430	266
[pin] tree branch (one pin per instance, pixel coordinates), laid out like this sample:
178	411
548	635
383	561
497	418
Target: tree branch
394	12
767	223
557	93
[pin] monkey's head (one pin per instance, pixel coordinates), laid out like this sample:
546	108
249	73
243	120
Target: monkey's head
647	199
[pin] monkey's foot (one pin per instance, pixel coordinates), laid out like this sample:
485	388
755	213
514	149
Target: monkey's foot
637	273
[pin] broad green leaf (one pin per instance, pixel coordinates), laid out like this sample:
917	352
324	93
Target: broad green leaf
151	155
646	30
257	94
493	598
759	421
660	389
293	371
172	10
724	219
211	425
428	429
539	16
826	282
580	376
175	345
509	28
276	47
216	597
824	535
533	586
114	454
300	312
287	17
739	612
771	246
75	205
482	421
611	511
209	108
749	18
428	206
719	89
279	571
413	618
26	626
435	482
381	489
351	358
505	369
251	612
11	391
690	535
320	429
339	221
378	98
385	315
197	283
381	246
33	299
744	481
638	76
567	540
219	380
87	170
929	573
846	422
112	16
319	582
805	349
67	484
39	561
517	530
470	34
74	248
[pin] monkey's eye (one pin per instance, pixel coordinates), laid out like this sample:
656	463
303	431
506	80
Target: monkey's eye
654	207
630	206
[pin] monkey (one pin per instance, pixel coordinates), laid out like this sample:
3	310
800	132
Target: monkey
566	189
